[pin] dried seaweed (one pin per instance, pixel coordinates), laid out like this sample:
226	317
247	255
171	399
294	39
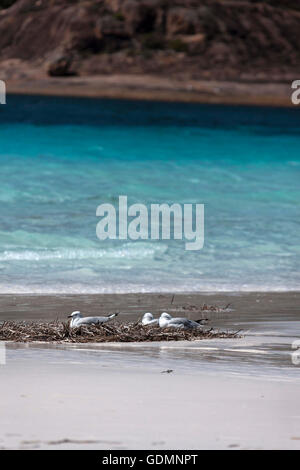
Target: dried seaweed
60	332
204	308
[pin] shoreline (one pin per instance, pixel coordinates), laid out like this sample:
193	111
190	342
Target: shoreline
226	392
154	88
183	292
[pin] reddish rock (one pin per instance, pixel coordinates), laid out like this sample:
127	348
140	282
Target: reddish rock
141	16
212	38
60	67
181	21
114	5
109	25
195	43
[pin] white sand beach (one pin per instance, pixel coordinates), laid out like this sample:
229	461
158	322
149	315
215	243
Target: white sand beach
221	394
52	404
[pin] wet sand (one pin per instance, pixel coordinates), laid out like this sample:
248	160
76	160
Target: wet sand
254	306
221	394
148	87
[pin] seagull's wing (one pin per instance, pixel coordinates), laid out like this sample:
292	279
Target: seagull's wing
175	323
193	324
183	323
95	320
150	322
91	320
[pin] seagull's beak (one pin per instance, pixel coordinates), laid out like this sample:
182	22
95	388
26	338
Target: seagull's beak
69	316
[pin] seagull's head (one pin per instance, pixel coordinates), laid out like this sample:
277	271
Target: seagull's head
166	316
148	316
164	319
76	314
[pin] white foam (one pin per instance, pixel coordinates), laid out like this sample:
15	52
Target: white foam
138	251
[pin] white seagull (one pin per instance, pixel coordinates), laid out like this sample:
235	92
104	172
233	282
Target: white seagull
77	319
166	321
148	319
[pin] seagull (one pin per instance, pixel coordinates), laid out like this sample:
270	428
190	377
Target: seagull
148	319
77	319
166	321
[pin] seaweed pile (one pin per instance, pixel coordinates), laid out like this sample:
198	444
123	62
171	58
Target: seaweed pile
60	332
203	308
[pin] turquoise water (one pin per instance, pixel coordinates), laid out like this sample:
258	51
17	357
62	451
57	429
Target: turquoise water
61	158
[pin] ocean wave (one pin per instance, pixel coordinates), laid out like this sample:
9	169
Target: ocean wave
127	251
135	288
